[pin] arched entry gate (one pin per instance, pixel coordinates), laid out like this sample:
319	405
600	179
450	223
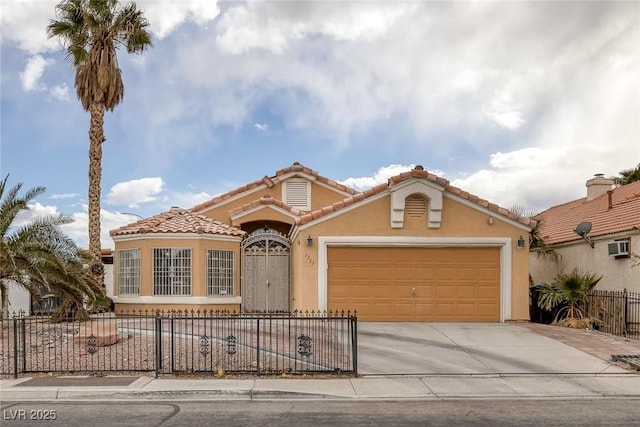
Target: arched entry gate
265	271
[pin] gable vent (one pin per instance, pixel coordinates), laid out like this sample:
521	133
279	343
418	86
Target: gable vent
415	206
296	193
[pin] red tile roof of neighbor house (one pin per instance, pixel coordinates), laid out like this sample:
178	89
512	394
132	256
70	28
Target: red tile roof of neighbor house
622	215
178	220
417	172
269	182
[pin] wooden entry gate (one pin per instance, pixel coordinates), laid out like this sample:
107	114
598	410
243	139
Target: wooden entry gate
266	257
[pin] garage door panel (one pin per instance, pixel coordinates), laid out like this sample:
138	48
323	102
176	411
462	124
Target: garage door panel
466	291
424	273
445	291
487	292
403	309
425	310
448	273
488	273
415	284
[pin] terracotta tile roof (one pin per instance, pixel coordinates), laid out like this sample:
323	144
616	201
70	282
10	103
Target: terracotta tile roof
418	172
178	220
269	182
265	201
623	215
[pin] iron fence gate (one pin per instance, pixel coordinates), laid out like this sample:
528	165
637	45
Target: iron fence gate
178	342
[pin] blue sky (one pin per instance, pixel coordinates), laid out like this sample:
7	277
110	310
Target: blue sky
517	102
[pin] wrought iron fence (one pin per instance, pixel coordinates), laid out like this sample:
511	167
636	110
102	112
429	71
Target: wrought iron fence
178	342
617	312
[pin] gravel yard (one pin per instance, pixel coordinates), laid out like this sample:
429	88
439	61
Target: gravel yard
188	345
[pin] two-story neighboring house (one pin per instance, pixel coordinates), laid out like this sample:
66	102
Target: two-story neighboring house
412	249
612	217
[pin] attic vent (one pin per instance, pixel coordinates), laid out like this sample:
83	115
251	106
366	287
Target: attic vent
415	206
297	193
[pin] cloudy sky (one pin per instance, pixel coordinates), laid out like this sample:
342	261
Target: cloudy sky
517	102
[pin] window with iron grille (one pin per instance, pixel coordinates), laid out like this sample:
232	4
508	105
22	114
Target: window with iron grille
129	272
297	194
220	272
171	271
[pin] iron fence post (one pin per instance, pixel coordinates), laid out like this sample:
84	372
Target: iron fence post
354	344
173	343
258	345
626	314
15	347
23	329
158	344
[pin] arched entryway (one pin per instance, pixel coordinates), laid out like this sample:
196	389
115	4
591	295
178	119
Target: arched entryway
266	257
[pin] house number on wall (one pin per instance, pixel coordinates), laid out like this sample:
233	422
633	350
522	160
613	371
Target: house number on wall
309	259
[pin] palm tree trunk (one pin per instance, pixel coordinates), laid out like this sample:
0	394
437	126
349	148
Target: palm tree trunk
96	138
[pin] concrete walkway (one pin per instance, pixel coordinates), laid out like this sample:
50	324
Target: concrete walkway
578	367
485	348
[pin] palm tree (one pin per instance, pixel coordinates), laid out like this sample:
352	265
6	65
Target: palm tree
38	253
91	31
570	289
628	176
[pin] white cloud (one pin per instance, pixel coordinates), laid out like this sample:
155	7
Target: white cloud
503	110
275	26
165	16
24	22
187	199
538	178
429	71
35	211
63	196
382	175
133	193
33	71
60	92
379	177
78	229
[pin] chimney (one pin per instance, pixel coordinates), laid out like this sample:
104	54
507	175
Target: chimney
597	186
610	196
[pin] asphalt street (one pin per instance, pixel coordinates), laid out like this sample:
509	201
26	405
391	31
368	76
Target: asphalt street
307	412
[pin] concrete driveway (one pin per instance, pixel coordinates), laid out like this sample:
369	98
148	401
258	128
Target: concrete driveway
468	348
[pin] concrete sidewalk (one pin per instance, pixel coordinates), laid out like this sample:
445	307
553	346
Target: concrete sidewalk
388	388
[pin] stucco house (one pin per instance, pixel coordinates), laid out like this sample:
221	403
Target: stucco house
413	249
614	217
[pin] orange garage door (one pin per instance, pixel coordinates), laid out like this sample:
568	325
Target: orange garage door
416	284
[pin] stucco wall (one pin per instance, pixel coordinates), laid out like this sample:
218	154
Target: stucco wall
124	308
321	196
617	274
373	219
199	245
264	213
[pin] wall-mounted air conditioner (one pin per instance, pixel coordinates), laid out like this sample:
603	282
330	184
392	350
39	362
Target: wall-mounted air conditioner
619	248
